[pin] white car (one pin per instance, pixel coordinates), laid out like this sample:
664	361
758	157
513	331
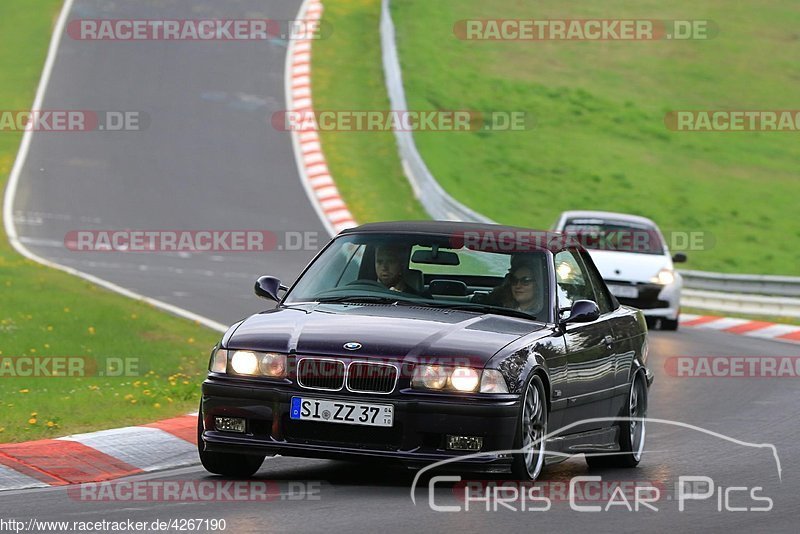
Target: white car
633	259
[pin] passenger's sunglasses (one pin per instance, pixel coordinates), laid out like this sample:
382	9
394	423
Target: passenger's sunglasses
525	280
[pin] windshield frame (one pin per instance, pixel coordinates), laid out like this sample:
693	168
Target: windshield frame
548	307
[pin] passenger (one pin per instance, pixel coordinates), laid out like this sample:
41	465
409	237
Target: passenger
519	289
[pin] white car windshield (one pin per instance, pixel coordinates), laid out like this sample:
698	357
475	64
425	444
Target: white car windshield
622	236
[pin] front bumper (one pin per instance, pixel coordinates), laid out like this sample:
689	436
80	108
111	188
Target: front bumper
654	300
418	436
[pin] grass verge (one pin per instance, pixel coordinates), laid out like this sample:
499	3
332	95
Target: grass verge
48	314
600	141
347	74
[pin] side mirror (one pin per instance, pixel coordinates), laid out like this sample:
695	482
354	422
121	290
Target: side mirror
679	257
268	286
583	311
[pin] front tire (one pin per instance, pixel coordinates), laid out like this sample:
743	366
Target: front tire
669	324
531	431
226	464
632	431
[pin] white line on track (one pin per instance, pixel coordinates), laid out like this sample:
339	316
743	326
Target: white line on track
13	181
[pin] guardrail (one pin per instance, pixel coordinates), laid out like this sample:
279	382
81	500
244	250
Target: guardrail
739	303
436	201
751	284
742	292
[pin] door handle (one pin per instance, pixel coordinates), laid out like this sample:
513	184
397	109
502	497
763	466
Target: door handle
609	341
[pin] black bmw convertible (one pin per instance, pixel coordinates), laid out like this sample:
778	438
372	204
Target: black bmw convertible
422	341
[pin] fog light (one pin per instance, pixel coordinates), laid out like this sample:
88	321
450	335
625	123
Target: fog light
229	424
464	443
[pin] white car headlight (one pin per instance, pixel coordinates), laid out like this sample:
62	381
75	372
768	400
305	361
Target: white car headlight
664	277
244	362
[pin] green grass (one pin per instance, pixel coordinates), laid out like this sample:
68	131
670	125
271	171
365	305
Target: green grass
600	141
347	75
47	313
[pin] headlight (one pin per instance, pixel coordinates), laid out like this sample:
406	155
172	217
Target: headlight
465	379
430	377
248	362
492	381
664	277
219	361
273	365
244	362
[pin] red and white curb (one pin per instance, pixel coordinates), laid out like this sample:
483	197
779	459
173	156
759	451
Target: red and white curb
99	456
744	327
110	454
311	163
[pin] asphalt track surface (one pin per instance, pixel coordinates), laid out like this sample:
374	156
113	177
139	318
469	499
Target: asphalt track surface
209	159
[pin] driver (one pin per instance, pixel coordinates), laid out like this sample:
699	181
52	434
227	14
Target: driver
391	267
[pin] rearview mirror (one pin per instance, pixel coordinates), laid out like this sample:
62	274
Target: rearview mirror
435	257
268	286
583	311
679	257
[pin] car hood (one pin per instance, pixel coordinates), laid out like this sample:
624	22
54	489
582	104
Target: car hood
629	266
403	333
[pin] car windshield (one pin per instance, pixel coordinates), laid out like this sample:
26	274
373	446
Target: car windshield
425	270
621	236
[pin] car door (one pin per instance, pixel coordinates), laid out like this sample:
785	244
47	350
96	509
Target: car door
619	322
591	364
624	329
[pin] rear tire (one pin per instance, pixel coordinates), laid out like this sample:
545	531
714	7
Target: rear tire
632	432
223	463
531	426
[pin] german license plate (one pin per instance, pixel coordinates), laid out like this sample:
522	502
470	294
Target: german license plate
348	413
626	292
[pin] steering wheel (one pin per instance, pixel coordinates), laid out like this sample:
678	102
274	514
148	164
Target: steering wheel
369	283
